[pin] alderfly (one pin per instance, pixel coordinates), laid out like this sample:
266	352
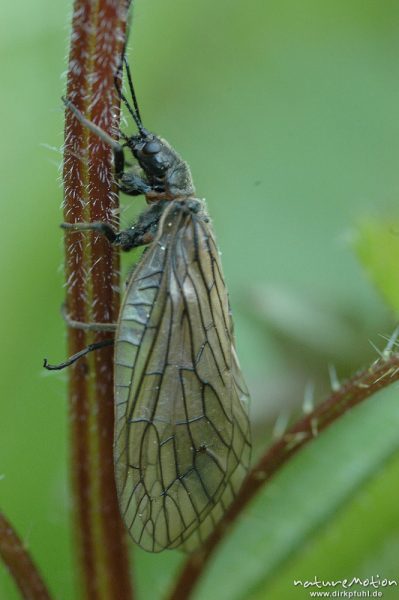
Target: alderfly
182	436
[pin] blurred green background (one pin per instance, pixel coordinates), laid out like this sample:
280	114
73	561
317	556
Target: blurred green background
288	113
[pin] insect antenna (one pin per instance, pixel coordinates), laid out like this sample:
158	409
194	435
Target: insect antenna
132	90
135	112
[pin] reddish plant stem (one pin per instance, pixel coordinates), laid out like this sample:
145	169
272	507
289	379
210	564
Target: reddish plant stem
357	389
105	280
20	564
92	270
74	210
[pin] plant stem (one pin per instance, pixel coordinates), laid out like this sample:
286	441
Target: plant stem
355	390
20	564
92	273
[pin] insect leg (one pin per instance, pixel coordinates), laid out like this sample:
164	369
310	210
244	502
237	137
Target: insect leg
117	149
102	228
128	183
132	184
127	239
139	234
86	326
75	357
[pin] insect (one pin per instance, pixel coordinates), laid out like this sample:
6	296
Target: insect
182	436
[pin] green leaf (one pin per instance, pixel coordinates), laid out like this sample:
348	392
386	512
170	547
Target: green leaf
377	246
361	541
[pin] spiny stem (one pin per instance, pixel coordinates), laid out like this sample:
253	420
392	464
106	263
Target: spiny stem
92	272
355	390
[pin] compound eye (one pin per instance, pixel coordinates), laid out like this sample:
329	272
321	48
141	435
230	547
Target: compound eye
152	147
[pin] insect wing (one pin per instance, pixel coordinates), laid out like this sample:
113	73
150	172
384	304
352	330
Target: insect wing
181	430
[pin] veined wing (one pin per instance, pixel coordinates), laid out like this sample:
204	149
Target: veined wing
181	430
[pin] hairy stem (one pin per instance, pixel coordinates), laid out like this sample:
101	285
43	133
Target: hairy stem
360	387
20	564
92	272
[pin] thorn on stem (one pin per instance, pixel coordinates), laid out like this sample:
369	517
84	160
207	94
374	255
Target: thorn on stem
308	398
334	381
